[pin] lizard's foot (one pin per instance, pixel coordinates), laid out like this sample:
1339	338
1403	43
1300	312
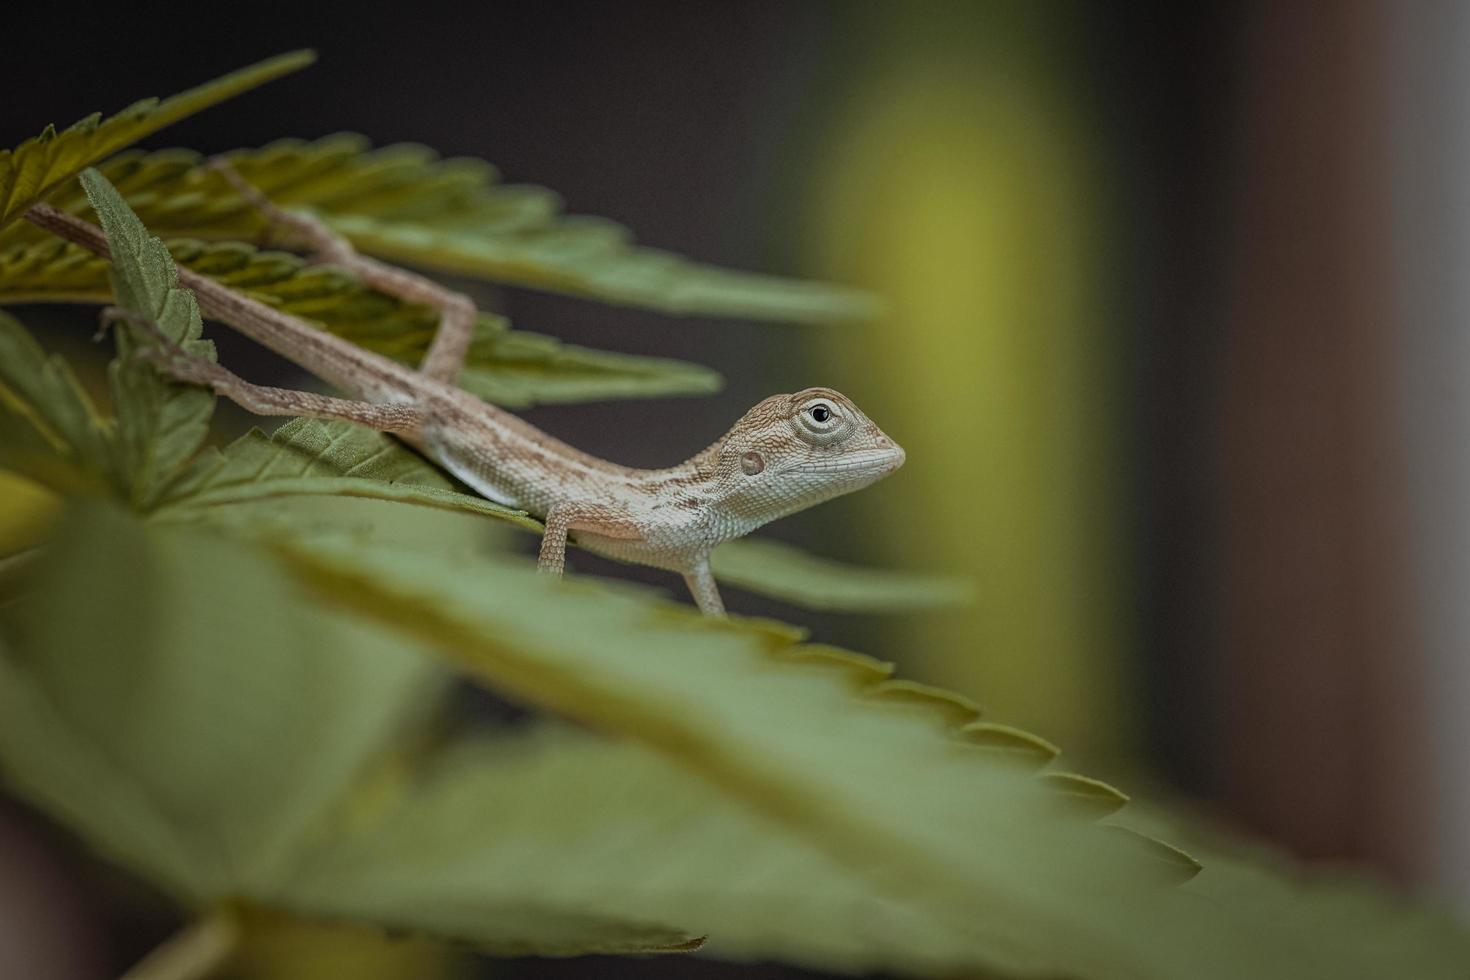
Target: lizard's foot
179	364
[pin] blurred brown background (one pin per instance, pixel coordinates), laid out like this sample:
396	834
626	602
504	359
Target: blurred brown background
1175	344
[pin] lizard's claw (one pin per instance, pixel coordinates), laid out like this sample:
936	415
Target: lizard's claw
106	317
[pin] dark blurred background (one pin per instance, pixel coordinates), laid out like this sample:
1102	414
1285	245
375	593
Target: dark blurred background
1174	341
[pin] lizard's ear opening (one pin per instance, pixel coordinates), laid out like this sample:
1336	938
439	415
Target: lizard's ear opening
752	463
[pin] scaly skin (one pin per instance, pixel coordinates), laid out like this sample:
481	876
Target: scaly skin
787	453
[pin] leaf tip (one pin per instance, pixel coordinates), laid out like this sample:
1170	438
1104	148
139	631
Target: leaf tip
1091	795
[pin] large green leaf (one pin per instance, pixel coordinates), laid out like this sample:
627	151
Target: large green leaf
176	701
505	366
404	204
40	164
49	428
815	739
161	424
875	776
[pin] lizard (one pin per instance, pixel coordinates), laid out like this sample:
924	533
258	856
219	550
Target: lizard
787	453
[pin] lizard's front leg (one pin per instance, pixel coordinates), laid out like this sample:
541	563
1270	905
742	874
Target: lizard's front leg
701	582
553	558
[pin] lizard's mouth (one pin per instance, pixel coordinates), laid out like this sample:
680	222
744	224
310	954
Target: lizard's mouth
870	464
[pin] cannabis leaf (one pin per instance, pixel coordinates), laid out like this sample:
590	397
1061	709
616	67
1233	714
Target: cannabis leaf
827	749
40	164
405	204
821	745
508	367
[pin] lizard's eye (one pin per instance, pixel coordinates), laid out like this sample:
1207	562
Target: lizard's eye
821	423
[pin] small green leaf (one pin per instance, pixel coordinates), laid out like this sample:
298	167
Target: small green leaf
315	457
40	164
406	205
161	424
49	428
771	568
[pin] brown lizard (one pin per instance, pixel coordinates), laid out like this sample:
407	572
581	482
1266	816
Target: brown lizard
787	453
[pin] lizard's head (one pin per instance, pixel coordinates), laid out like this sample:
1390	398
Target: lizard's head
793	451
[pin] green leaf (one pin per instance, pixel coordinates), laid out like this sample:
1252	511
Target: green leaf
162	424
781	571
406	205
171	701
315	457
40	164
583	824
878	784
801	741
49	428
508	367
